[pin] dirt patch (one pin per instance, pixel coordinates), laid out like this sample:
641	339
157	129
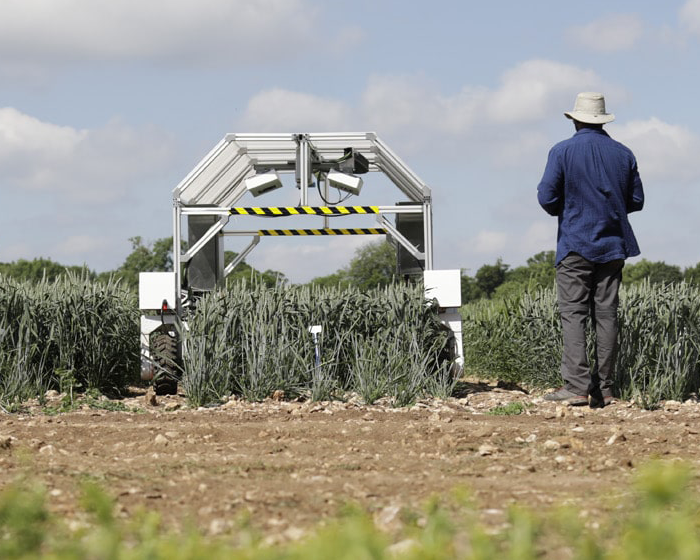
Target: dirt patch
290	465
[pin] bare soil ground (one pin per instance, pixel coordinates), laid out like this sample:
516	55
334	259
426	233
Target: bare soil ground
291	465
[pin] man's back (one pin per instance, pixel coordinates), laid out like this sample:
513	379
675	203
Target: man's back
591	183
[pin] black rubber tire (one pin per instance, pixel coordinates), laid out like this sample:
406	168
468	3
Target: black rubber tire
164	348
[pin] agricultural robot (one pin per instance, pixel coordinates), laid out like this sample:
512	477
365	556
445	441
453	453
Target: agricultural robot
324	170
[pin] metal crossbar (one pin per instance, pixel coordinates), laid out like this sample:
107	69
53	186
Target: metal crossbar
324	231
276	211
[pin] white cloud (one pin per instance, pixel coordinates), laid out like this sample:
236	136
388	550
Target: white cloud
98	165
79	30
15	251
664	151
521	148
490	241
690	16
614	32
528	92
280	110
78	245
346	39
419	116
513	244
414	110
535	89
399	102
539	236
25	139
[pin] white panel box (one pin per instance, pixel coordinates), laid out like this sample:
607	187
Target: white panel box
445	286
154	287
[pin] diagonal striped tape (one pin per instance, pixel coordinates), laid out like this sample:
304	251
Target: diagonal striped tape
325	231
275	211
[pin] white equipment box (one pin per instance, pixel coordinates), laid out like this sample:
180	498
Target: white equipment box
446	287
156	287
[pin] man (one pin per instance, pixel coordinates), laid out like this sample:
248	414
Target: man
590	183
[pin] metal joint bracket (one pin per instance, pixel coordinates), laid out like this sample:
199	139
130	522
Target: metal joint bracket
406	244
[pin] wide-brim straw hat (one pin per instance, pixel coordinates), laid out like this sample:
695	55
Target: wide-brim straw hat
590	108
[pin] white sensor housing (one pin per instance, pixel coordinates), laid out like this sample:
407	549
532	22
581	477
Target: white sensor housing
344	182
260	184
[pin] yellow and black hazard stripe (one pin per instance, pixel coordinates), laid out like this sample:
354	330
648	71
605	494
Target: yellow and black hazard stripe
324	231
276	211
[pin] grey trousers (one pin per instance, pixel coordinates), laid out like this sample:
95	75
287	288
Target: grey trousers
584	289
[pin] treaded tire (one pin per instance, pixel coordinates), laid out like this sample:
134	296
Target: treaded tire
164	348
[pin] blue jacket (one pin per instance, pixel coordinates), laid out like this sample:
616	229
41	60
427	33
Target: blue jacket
591	183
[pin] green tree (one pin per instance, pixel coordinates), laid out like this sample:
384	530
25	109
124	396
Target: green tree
656	272
158	257
490	276
144	257
38	269
373	265
243	271
538	273
338	278
692	274
543	259
470	289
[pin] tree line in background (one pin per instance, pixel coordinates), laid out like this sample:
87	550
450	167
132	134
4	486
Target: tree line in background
373	265
498	280
144	257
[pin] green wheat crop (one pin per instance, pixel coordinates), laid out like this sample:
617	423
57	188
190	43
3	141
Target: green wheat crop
519	339
72	324
251	340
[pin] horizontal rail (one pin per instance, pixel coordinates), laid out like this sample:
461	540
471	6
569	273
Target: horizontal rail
324	231
279	211
274	211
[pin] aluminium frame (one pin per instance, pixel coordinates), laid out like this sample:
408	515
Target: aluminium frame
217	183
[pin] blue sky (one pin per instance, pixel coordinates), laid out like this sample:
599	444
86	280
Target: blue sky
106	106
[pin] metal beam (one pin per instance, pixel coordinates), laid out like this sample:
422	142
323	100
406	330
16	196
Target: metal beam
242	255
202	241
